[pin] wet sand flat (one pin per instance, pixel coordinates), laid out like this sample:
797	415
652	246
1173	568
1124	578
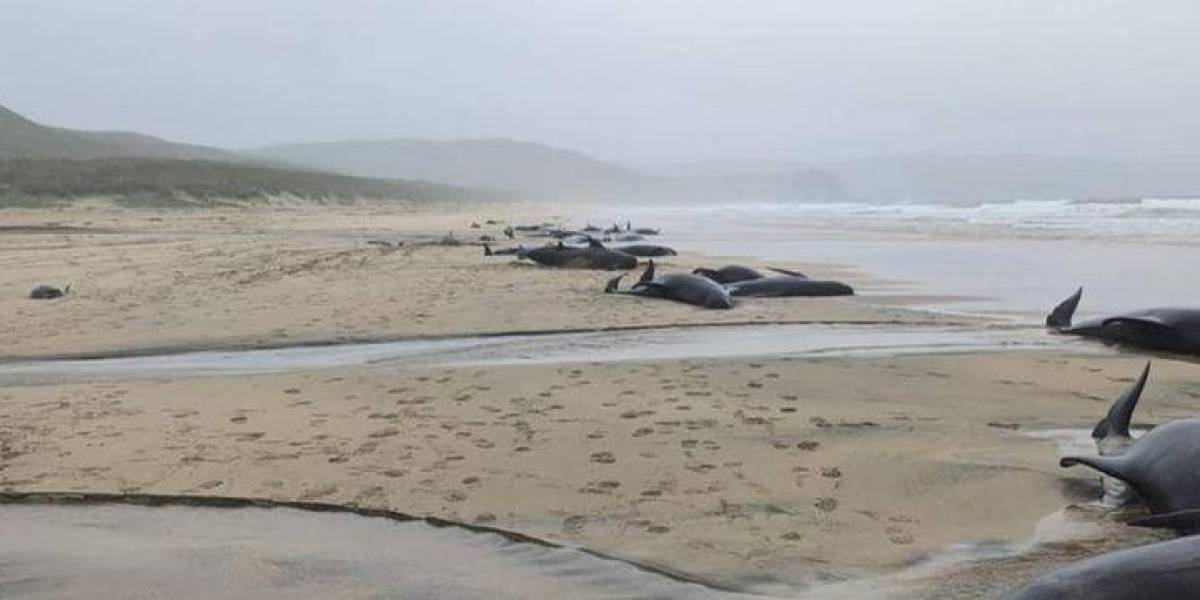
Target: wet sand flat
121	551
771	474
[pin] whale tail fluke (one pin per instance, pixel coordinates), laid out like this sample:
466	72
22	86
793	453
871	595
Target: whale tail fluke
1060	317
1116	422
647	275
611	287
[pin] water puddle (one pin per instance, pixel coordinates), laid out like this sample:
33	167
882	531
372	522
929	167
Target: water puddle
609	346
125	551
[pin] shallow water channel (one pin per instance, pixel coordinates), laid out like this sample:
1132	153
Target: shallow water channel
553	348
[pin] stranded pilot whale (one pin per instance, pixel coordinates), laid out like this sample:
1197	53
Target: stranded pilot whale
1169	329
1156	571
594	256
788	285
646	250
681	287
1162	467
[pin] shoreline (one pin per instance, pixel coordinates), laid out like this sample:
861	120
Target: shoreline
766	473
191	348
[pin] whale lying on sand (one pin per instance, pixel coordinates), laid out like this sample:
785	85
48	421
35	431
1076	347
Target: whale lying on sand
788	285
1169	329
1162	467
593	256
48	292
646	250
1159	571
681	287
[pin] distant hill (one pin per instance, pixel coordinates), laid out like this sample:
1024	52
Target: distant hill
488	163
540	169
1011	177
165	182
23	138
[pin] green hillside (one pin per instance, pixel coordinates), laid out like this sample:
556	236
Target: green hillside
23	138
27	182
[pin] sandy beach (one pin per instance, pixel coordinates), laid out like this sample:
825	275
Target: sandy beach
769	474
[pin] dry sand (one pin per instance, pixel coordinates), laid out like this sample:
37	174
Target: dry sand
766	474
255	277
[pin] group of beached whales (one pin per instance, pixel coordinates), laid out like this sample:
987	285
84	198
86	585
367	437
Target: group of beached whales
1160	469
703	287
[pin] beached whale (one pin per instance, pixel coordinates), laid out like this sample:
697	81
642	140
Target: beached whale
488	251
593	256
646	250
729	274
1169	329
681	287
47	292
1113	438
1162	467
1159	571
788	285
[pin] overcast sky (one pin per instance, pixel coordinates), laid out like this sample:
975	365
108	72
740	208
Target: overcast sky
636	81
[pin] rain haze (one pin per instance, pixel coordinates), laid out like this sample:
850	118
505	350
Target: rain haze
839	300
633	82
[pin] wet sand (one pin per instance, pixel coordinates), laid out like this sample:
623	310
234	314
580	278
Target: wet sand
124	551
766	474
777	474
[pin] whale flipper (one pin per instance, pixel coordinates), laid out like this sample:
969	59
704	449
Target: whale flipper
1112	466
1060	317
1116	422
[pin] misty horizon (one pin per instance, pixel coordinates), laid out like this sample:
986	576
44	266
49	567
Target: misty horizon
630	83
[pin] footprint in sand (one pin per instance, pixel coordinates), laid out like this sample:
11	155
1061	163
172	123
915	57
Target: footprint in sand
573	525
605	458
826	504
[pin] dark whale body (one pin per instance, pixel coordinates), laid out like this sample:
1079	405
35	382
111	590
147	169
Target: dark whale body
788	285
47	292
646	250
593	256
681	287
1161	571
1163	467
729	274
1168	329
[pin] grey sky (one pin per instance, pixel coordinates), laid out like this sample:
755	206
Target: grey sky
642	80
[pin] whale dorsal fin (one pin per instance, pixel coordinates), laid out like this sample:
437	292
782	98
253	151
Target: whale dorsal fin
594	243
611	287
648	274
1116	422
1060	317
